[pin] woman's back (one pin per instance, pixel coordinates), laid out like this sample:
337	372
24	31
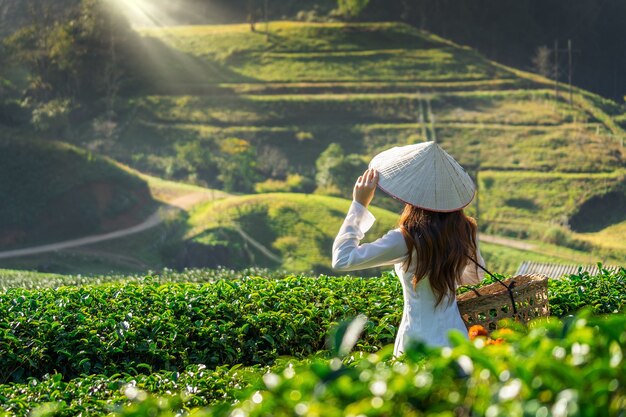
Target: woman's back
433	246
423	318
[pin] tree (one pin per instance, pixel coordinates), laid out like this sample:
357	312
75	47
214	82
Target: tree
71	57
197	159
272	162
236	161
336	172
542	61
4	83
253	14
351	8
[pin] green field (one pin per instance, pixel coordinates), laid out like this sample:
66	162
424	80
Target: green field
107	344
371	86
299	230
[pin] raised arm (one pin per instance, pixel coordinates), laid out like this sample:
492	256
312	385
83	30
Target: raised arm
348	255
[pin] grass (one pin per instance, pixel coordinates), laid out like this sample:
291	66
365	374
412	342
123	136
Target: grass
362	85
508	107
301	228
522	205
520	130
298	52
150	250
55	191
611	238
529	197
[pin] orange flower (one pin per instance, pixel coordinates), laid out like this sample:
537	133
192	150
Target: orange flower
477	330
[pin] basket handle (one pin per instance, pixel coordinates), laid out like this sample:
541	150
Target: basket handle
509	288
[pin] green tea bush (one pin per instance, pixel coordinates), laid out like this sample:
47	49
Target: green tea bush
100	394
151	326
574	367
604	292
33	280
553	368
147	327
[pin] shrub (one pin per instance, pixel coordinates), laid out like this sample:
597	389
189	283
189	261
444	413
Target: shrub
254	320
98	329
562	236
603	293
569	368
52	116
293	183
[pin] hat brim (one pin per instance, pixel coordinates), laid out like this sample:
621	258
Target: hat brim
426	208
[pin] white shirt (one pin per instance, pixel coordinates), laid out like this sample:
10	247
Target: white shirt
421	319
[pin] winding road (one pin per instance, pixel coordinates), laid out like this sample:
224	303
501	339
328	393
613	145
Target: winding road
185	202
154	220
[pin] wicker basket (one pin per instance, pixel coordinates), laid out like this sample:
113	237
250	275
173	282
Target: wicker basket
494	302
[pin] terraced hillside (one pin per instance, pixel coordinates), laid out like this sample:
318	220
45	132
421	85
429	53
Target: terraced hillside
540	159
210	92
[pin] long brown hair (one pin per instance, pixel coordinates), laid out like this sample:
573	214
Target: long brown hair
443	242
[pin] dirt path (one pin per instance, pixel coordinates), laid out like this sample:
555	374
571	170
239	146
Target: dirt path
262	248
183	202
511	243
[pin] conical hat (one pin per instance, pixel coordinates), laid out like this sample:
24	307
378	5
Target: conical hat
425	176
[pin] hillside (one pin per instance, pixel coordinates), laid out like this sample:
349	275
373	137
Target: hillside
371	86
296	231
55	191
227	108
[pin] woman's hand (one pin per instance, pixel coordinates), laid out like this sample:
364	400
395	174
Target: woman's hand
365	187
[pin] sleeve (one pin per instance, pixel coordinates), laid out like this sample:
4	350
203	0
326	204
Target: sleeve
348	255
473	274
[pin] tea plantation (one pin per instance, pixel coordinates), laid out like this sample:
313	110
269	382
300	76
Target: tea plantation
255	343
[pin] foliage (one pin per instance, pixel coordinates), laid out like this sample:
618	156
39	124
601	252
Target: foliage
335	170
293	183
351	8
149	326
38	280
603	293
571	368
100	394
236	162
52	116
72	54
574	367
197	159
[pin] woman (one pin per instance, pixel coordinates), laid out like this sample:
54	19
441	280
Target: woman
434	248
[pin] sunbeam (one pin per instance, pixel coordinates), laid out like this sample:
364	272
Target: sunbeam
161	54
143	13
156	13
